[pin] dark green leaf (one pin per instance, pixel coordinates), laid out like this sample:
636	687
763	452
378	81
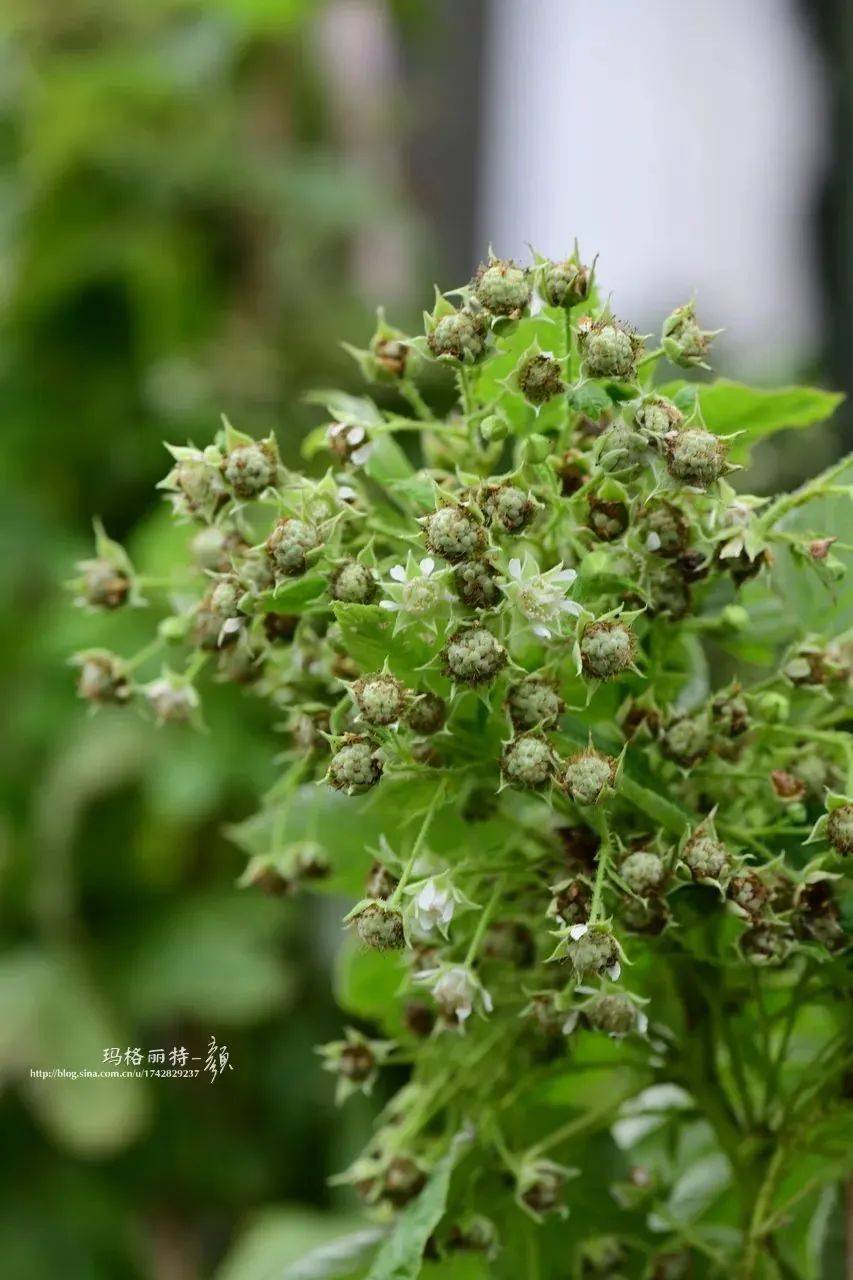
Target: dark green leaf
293	596
402	1253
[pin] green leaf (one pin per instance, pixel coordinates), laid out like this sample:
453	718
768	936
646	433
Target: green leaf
294	596
402	1253
728	407
367	982
654	805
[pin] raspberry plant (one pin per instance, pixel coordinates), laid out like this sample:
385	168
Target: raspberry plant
556	715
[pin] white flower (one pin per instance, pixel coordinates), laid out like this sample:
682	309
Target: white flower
414	589
577	931
433	907
540	597
457	992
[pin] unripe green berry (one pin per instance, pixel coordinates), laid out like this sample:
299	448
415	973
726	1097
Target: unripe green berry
475	584
607	648
607	520
534	702
249	469
565	284
643	872
657	417
224	599
527	761
380	927
473	656
839	828
508	507
356	765
749	893
453	534
685	344
540	378
767	945
502	288
615	1014
459	336
381	698
586	775
695	456
686	740
666	531
427	713
595	952
289	544
705	857
608	350
353	583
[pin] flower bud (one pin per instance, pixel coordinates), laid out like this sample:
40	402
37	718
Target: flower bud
380	927
596	952
541	1187
495	428
767	944
607	649
528	761
381	699
104	585
534	702
353	583
356	766
587	775
839	828
288	546
539	378
473	656
657	417
616	1014
749	893
695	456
453	534
419	1018
403	1181
172	698
427	713
686	740
684	343
730	713
502	288
103	678
535	448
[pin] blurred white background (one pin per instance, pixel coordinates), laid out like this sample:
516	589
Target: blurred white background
680	141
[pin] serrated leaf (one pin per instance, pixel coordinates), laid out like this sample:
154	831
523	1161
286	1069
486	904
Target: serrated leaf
338	1258
402	1253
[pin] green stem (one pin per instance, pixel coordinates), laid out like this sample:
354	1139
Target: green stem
601	870
418	845
464	384
483	922
144	654
811	489
757	1230
410	393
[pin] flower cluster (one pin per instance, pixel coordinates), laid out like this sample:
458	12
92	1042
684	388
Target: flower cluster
535	656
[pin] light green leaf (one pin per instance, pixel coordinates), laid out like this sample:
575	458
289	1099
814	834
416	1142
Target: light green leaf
728	407
294	596
402	1253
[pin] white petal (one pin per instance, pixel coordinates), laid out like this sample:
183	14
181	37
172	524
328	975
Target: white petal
426	566
642	1023
614	971
569	606
398	573
541	631
653	541
355	435
578	931
488	1002
390	604
566	575
570	1023
360	456
515	567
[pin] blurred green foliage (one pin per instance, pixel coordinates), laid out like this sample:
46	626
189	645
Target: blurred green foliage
175	226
